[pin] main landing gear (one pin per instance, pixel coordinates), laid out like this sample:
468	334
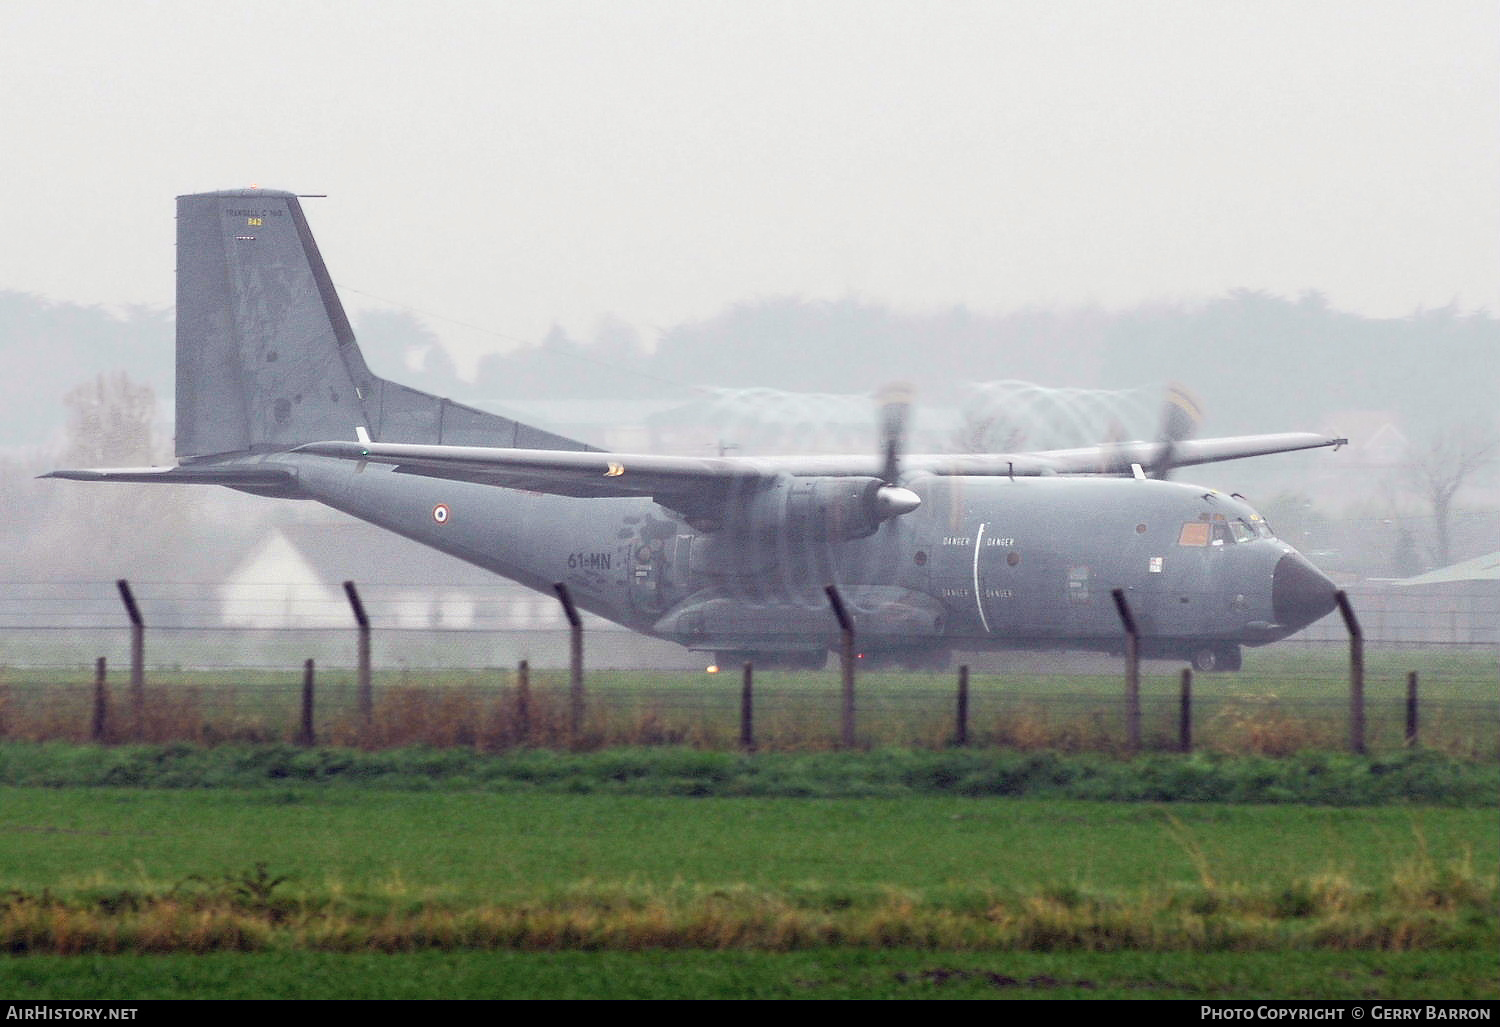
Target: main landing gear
1220	656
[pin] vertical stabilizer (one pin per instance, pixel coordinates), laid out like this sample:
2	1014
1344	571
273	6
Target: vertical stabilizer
263	345
266	359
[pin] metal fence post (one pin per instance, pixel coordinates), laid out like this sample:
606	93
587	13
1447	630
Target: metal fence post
1185	713
1132	672
846	658
1411	709
523	702
307	736
100	726
747	709
961	725
137	660
366	695
1356	674
575	663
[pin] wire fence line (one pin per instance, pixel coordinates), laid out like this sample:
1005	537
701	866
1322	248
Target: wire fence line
492	710
1275	710
470	686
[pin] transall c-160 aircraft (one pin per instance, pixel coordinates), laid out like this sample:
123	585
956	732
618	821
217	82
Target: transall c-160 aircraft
728	555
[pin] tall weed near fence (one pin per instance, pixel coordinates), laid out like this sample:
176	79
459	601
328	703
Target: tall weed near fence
1268	712
1264	725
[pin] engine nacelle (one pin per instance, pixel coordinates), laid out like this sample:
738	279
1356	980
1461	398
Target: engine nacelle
833	509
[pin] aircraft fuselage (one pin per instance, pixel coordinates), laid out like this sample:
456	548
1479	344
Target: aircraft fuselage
984	563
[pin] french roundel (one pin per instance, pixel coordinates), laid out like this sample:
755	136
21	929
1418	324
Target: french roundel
440	513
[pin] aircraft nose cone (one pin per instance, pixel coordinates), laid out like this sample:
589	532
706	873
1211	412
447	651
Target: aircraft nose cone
1300	593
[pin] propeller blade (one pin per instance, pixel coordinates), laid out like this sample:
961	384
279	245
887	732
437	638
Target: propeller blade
1180	417
895	409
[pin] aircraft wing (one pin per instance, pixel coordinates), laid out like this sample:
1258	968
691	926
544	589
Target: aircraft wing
679	481
1116	458
671	480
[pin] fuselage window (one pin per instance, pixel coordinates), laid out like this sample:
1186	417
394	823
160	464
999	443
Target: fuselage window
1194	533
1221	533
1243	532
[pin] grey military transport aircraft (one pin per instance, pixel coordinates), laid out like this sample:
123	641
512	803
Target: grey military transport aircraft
728	555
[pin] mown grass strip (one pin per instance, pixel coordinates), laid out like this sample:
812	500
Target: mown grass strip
1320	778
1423	905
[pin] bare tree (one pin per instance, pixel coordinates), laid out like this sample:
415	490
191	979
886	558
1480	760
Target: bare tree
109	422
1440	468
103	530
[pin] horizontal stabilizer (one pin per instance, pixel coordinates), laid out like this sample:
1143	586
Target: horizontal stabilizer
260	477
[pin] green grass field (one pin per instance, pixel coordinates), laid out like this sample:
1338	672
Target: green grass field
326	892
469	847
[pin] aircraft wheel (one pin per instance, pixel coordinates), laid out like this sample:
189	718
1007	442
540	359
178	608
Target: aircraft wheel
1213	659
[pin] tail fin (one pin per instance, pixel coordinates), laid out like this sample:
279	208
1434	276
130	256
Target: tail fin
266	359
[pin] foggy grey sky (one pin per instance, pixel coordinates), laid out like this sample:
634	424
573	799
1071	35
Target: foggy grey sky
514	164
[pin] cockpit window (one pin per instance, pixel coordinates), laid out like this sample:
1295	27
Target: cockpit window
1218	530
1194	533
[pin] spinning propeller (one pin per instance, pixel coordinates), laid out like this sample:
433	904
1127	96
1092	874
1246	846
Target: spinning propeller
895	408
1180	418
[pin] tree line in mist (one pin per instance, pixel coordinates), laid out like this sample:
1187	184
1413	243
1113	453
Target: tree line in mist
1258	362
88	387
